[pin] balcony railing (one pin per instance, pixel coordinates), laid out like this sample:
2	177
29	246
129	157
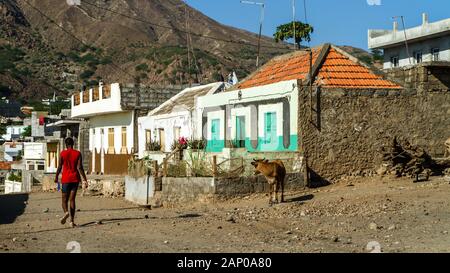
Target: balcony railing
106	91
85	96
96	94
76	98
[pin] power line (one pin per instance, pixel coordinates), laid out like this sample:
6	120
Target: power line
182	31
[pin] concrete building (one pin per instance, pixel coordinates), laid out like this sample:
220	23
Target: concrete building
111	112
13	132
34	156
429	42
174	119
13	151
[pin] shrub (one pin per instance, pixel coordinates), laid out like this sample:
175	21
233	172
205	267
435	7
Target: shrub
197	144
15	177
153	146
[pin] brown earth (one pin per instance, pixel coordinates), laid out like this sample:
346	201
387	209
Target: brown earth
400	215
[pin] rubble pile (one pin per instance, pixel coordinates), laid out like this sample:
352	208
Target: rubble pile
404	159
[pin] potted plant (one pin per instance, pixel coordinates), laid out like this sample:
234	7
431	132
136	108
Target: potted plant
153	146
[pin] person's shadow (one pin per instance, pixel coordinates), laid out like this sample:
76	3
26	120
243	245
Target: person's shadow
12	206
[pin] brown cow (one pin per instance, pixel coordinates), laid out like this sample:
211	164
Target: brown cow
275	173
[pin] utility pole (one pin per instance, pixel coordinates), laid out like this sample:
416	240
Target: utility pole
293	23
406	39
187	43
261	21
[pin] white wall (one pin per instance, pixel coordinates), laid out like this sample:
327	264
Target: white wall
101	106
286	89
13	130
34	150
12	187
116	121
168	122
443	43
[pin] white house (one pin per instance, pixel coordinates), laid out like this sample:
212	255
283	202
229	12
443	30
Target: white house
12	150
261	114
112	112
13	132
174	118
429	42
34	156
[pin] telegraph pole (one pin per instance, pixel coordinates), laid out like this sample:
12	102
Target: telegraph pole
406	39
293	23
261	21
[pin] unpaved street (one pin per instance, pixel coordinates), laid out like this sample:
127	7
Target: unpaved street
399	215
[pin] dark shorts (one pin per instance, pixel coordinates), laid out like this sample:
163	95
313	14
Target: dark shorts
68	187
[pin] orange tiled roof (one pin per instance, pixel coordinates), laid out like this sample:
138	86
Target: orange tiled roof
337	70
284	68
5	165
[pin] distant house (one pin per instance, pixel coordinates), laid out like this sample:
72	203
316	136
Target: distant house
174	118
429	42
13	151
34	156
14	132
112	113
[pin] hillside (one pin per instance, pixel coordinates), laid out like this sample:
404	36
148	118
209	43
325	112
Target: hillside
147	40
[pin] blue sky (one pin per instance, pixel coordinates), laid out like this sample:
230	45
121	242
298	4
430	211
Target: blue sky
341	22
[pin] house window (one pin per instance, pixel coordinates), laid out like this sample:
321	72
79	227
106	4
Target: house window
110	140
270	127
215	132
124	140
435	54
394	61
176	133
162	138
148	137
418	57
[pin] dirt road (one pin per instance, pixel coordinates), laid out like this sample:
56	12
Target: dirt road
393	215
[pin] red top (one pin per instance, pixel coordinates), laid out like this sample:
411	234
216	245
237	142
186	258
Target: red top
70	172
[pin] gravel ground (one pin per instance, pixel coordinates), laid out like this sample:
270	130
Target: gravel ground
359	215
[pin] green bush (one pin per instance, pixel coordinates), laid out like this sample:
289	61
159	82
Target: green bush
153	146
15	177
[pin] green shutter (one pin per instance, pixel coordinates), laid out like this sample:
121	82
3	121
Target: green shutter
270	127
215	131
240	131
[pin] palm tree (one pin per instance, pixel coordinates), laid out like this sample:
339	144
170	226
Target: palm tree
302	32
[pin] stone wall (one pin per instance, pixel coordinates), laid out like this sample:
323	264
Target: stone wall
108	185
208	189
427	77
149	97
345	130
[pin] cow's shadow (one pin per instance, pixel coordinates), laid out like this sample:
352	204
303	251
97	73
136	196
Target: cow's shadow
302	198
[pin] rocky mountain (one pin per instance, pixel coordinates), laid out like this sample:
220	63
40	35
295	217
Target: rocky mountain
54	47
